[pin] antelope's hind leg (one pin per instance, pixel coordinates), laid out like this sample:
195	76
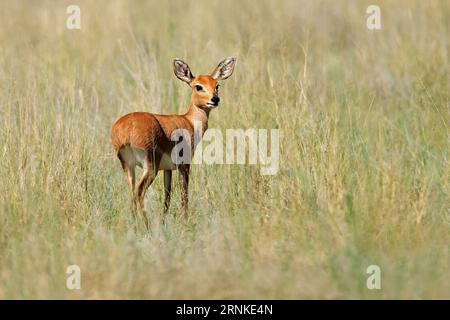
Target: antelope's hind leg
147	179
129	166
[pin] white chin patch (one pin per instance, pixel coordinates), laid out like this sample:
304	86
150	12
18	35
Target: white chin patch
212	106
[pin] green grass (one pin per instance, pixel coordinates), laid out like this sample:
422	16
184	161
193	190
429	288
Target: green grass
364	131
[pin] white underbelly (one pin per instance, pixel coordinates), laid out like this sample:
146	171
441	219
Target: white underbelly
166	162
138	157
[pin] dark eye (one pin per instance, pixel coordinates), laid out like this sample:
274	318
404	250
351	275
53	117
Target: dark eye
198	88
217	87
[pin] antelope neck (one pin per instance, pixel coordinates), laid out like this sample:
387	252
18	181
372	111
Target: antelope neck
196	114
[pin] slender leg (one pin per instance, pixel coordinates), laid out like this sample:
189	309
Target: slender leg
167	188
184	175
131	176
146	180
131	180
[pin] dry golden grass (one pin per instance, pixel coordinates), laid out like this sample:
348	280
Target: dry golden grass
364	177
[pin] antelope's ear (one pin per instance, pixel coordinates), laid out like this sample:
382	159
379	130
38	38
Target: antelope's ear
182	71
224	69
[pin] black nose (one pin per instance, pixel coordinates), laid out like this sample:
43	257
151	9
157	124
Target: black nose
215	100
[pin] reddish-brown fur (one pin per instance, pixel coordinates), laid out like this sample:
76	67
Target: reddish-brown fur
151	133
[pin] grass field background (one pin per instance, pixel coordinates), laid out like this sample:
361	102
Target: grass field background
364	131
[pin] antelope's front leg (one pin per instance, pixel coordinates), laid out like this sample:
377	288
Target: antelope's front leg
184	175
167	188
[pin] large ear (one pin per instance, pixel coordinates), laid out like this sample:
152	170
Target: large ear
182	71
224	69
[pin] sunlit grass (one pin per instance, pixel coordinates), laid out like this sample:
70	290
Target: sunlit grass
364	173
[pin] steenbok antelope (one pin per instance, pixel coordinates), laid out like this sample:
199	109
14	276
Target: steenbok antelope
144	139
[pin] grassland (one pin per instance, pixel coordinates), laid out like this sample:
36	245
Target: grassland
364	130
